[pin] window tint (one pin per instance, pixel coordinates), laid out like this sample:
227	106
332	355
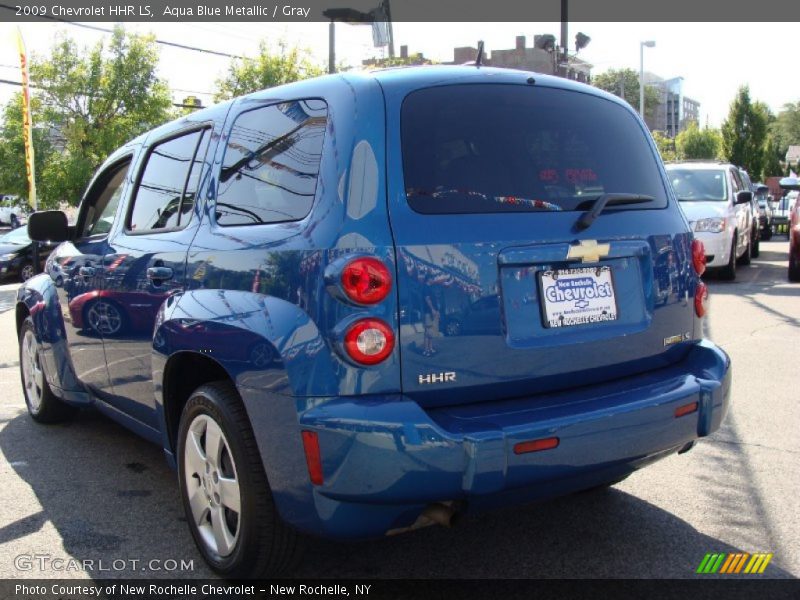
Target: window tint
698	184
501	148
269	173
165	194
103	200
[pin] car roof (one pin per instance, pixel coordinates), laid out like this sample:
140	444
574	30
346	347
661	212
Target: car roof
699	166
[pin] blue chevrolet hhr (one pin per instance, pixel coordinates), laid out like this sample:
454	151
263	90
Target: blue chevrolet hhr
365	303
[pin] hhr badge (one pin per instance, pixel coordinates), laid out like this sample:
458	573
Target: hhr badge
449	377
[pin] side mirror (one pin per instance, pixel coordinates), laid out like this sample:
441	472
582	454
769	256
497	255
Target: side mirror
789	183
48	226
744	197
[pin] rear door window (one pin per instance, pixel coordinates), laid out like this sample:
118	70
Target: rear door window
165	193
509	148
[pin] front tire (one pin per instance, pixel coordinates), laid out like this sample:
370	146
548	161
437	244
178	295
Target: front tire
14	222
728	272
225	491
43	405
26	271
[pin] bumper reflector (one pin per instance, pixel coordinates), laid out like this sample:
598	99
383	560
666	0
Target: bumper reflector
686	409
536	445
313	457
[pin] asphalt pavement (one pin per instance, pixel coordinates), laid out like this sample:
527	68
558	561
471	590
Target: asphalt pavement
91	491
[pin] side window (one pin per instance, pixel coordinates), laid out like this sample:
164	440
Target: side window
103	201
269	173
165	194
737	182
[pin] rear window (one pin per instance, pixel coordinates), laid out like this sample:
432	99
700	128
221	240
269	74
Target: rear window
509	148
698	185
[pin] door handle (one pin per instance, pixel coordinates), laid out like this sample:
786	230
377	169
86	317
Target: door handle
159	274
86	271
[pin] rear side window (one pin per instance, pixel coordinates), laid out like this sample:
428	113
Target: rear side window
509	148
269	173
166	191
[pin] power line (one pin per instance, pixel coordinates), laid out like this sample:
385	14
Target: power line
106	30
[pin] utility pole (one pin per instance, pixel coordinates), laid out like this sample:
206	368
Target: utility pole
332	47
564	35
387	9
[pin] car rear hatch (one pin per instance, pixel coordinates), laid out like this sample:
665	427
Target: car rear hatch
502	293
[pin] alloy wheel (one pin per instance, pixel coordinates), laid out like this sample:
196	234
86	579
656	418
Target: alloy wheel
33	378
104	318
212	485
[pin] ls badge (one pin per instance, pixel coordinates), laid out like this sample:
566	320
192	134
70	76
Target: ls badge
677	339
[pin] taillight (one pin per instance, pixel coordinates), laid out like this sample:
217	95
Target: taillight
369	341
701	299
366	280
699	256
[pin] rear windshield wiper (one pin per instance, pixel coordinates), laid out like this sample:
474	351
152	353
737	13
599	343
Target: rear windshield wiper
586	219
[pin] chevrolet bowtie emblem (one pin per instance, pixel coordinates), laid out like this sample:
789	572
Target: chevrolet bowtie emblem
588	251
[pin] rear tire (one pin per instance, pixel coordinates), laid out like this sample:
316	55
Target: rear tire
14	221
728	272
42	403
755	243
768	233
745	258
253	542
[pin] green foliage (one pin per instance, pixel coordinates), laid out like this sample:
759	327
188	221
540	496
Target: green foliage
696	143
744	133
89	101
786	127
625	84
397	61
666	145
772	158
266	70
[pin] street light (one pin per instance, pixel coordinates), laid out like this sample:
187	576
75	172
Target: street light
649	44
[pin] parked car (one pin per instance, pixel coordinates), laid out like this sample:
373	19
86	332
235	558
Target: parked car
329	225
13	212
783	212
718	205
765	211
17	255
793	183
755	234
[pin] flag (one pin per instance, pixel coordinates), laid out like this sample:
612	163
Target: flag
27	125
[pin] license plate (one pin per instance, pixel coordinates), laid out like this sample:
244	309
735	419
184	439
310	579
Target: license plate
577	296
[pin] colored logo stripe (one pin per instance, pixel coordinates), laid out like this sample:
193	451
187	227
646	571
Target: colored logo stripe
734	563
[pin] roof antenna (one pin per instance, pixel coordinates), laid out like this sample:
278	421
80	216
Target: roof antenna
479	58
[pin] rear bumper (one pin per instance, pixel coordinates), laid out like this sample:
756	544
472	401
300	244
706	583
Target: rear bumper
386	458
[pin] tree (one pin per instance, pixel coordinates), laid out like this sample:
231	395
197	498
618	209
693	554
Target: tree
666	145
744	133
88	102
625	84
772	158
786	127
266	70
694	142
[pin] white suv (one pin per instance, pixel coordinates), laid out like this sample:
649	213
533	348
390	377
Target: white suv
716	201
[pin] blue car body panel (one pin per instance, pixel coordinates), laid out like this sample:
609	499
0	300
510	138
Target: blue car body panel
257	302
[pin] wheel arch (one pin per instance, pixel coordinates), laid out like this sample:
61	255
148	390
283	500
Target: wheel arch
184	372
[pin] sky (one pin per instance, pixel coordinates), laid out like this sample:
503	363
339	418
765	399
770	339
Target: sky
713	58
